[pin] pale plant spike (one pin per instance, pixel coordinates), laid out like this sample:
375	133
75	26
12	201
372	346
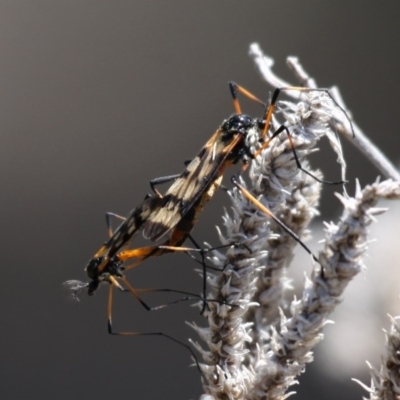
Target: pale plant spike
264	171
279	355
330	108
323	110
385	383
265	64
346	127
351	131
206	397
370	214
301	75
342	199
358	187
292	193
363	385
275	195
287	395
293	343
378	210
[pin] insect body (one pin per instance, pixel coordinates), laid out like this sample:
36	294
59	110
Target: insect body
176	212
173	215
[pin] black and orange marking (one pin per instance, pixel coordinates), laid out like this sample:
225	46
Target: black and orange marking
176	212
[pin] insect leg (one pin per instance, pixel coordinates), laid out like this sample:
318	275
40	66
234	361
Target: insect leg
299	166
128	288
203	263
165	179
108	221
268	117
233	87
160	180
145	252
206	265
264	209
325	90
126	333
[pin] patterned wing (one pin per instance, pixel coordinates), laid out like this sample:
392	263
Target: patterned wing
193	183
130	226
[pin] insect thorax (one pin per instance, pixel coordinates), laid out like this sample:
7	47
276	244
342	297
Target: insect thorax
248	128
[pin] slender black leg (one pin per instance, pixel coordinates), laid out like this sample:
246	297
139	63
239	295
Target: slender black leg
111	332
268	212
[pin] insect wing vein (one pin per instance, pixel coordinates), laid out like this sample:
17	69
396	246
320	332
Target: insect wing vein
187	190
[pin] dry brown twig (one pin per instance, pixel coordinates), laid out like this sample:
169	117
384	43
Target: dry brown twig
256	350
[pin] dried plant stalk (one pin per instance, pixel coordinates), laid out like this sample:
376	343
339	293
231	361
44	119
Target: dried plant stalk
254	351
385	383
352	132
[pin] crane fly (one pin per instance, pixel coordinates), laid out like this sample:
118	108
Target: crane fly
174	214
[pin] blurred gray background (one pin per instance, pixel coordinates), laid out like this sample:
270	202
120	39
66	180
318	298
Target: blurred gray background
99	97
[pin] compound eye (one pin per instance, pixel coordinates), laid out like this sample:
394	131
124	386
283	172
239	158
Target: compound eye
238	122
